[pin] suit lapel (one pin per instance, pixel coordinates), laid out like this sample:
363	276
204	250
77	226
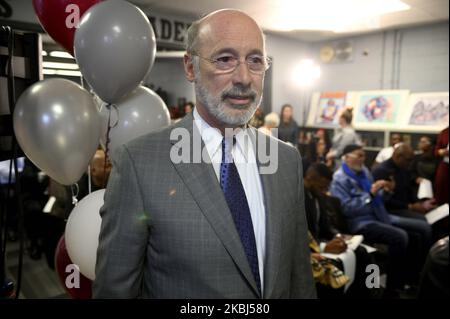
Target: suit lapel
202	183
271	188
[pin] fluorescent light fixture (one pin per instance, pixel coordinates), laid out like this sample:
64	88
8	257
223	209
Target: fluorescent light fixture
44	53
331	15
58	65
62	72
306	72
170	54
61	54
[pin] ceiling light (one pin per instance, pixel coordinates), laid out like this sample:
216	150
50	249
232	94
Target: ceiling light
330	15
306	72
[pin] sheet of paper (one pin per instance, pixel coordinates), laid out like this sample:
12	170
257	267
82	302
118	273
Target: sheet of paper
437	214
355	241
425	189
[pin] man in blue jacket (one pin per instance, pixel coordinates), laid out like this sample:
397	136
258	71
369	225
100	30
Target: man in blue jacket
362	201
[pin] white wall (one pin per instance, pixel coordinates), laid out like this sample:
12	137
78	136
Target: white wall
286	53
168	73
424	59
415	59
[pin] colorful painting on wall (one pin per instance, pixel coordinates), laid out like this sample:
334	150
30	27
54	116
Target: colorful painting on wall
329	107
428	111
379	108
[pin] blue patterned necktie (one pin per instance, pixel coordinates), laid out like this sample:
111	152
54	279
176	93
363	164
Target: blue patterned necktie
237	202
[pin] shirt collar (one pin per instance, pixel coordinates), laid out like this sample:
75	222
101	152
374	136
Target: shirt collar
213	138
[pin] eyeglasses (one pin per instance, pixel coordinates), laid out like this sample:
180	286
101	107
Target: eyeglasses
256	63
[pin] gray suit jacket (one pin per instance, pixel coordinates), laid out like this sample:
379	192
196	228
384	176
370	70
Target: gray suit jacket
167	231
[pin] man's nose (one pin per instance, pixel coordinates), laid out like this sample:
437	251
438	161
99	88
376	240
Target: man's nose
242	74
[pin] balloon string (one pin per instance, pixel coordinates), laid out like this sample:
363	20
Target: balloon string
75	193
89	179
108	139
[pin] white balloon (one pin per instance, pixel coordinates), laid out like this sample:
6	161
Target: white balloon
139	113
82	232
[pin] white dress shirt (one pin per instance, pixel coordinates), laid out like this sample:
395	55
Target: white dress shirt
245	161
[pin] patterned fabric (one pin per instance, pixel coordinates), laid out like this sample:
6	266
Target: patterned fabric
233	190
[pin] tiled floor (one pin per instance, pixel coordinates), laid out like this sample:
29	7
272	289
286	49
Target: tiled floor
39	281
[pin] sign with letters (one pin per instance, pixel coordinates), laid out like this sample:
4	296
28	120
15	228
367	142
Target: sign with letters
169	30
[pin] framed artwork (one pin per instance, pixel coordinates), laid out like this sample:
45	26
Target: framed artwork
379	109
326	107
427	112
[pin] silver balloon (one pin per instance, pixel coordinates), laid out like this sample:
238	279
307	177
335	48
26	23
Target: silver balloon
115	47
57	125
139	113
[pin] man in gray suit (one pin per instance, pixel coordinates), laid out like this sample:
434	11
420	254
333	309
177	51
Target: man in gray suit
206	216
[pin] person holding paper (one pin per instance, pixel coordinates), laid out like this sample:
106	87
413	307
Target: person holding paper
404	201
323	213
363	207
423	167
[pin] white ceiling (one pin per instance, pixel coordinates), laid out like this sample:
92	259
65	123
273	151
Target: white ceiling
421	12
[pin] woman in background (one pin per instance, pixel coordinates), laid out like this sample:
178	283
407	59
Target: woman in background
441	180
344	136
288	129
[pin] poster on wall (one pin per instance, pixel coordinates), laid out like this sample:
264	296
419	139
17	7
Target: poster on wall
326	107
427	111
379	109
329	107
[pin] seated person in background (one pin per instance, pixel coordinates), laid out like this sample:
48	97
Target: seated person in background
404	201
434	283
386	153
257	119
318	148
320	213
188	107
424	164
100	170
362	201
271	121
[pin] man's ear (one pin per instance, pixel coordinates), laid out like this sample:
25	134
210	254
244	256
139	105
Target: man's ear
188	68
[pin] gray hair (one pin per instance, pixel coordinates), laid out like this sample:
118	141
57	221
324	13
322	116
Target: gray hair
272	119
192	36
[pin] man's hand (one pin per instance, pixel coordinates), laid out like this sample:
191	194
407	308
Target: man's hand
336	246
443	152
422	207
376	186
429	204
389	186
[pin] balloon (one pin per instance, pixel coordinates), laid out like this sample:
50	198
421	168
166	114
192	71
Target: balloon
114	46
82	231
57	124
139	113
62	260
59	17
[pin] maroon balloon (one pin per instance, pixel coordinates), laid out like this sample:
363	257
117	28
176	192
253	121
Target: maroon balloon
52	16
62	259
